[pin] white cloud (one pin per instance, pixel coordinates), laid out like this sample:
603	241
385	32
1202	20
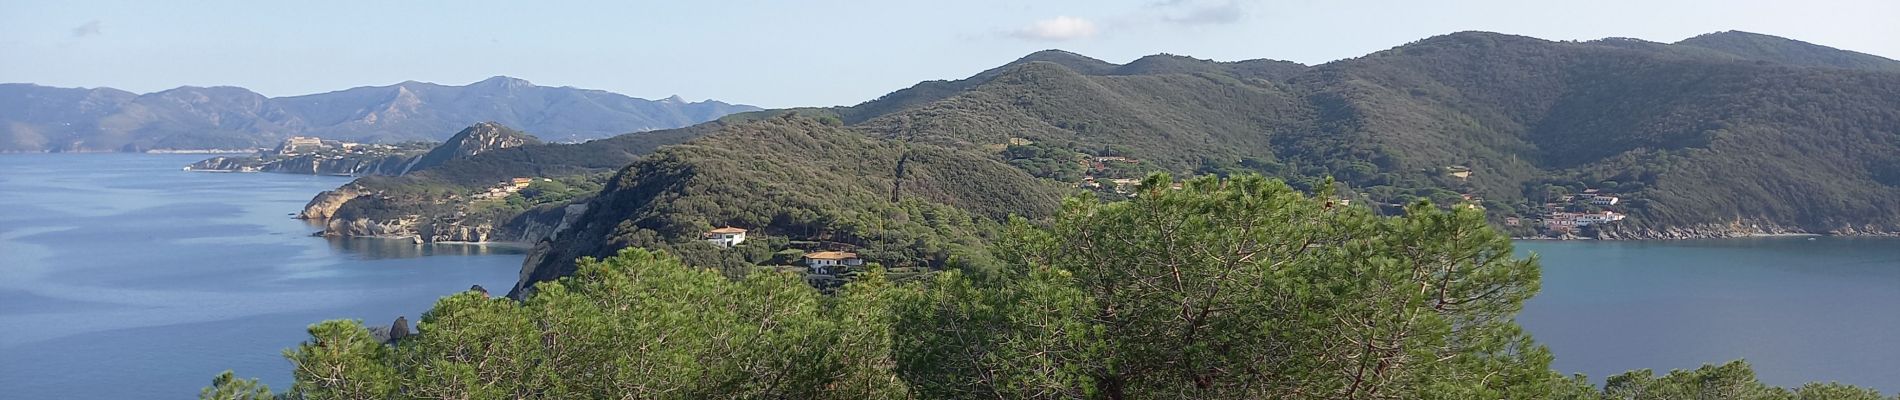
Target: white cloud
1057	29
90	28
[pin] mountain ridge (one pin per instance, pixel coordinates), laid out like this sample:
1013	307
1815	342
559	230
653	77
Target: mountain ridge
1688	137
42	118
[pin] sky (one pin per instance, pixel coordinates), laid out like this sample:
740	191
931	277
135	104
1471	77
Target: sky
796	53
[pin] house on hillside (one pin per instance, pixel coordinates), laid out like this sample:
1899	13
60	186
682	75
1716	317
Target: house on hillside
725	237
1603	200
1598	218
827	262
1458	171
521	183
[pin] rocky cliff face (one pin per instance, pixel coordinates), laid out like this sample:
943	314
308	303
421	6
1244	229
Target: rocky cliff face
325	204
444	226
530	227
543	223
311	164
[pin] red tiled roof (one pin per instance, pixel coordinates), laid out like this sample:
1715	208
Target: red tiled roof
832	255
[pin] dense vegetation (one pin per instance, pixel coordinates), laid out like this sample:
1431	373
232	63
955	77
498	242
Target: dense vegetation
1697	136
431	190
799	178
1236	288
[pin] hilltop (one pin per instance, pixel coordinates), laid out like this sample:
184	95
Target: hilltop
37	118
1694	141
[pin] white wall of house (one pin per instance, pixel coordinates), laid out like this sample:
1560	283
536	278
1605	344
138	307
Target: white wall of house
727	239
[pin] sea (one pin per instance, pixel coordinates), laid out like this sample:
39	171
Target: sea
122	276
1798	309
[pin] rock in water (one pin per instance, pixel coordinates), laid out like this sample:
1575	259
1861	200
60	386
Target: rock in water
399	330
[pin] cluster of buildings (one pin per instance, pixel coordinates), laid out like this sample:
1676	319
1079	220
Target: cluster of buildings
1557	220
1570	221
505	188
816	263
301	145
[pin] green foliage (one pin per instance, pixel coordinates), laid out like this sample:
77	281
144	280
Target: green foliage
895	203
1734	381
1241	288
341	361
227	386
637	325
1225	288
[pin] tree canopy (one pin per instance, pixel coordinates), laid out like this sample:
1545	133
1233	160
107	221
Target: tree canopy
1224	288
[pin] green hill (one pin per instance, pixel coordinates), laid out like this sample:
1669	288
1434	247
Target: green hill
1696	139
1759	47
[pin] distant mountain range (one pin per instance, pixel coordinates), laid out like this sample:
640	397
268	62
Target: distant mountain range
37	118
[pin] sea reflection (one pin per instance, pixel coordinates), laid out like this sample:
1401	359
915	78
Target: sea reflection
382	248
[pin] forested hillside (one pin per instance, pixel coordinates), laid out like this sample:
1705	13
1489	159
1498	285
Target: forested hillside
1688	137
797	178
1693	142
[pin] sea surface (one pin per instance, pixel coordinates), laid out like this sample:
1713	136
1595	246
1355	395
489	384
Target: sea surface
1798	309
123	277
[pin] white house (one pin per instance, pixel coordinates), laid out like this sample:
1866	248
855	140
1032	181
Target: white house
725	237
1602	200
1602	218
824	261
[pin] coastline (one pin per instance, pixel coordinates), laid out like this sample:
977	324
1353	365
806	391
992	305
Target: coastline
417	240
1761	235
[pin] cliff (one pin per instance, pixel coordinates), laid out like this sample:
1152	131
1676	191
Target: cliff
311	164
470	190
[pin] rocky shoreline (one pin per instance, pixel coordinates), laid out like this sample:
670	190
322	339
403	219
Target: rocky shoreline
1716	231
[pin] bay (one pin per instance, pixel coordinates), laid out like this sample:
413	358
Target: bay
1798	309
122	276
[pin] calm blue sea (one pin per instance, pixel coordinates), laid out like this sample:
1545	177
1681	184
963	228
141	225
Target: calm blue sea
1799	310
122	276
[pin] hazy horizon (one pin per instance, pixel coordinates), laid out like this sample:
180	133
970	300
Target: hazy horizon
847	52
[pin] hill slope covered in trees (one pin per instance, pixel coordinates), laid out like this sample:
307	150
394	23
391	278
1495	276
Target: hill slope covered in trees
1695	142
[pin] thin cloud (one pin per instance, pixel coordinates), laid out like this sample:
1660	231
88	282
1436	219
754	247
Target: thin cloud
1220	13
90	28
1057	29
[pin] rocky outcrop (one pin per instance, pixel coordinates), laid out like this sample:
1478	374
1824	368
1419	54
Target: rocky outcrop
227	164
480	138
456	232
404	227
422	229
545	223
313	164
326	203
439	224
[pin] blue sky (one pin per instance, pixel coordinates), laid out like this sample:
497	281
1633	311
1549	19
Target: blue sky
795	53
